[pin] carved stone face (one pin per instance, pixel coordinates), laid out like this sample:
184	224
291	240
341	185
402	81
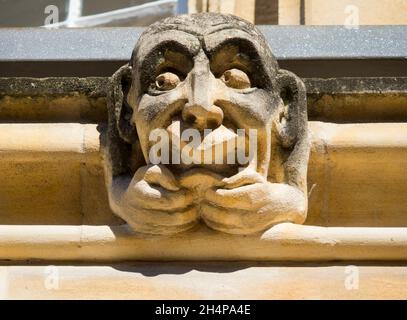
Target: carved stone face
216	75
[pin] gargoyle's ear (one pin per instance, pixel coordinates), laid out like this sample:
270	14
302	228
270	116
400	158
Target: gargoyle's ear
120	84
292	120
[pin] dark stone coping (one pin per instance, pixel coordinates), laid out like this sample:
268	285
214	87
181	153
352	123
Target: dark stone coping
95	87
309	51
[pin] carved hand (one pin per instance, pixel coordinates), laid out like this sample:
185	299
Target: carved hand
248	203
157	204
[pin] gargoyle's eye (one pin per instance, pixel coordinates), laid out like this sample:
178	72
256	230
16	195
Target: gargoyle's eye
166	81
236	79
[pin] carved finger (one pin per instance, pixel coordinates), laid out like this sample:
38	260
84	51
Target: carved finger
160	175
244	177
143	194
248	197
238	221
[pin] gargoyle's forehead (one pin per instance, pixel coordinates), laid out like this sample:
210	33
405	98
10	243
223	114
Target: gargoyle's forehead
205	31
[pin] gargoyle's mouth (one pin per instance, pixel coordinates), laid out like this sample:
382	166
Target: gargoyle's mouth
221	150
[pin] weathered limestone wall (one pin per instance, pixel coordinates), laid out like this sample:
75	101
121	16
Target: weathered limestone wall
51	174
283	242
63	165
289	12
208	281
54	204
343	12
242	8
365	12
52	171
315	12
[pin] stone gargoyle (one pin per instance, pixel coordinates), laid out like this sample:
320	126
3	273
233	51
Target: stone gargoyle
212	78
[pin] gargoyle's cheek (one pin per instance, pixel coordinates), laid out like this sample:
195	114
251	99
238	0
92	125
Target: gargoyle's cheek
253	109
158	107
155	112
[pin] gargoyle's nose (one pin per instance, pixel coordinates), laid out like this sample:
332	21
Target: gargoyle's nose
201	117
200	111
